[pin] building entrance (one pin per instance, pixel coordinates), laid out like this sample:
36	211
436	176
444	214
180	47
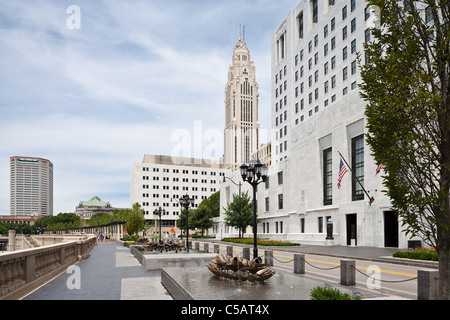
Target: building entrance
351	229
390	229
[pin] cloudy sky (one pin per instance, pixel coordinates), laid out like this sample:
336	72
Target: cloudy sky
131	78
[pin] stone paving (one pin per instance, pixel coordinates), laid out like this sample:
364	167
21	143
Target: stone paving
110	273
113	273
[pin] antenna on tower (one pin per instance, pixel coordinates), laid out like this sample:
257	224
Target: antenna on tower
244	34
239	32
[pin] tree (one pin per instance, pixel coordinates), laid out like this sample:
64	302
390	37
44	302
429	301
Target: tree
99	218
405	82
239	212
181	222
136	221
212	204
201	219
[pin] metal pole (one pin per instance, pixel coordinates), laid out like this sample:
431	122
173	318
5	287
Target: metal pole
160	241
240	212
371	199
187	227
255	246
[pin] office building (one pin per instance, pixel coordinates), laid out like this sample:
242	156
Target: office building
31	184
160	181
317	121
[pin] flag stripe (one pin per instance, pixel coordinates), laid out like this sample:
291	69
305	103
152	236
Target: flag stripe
342	171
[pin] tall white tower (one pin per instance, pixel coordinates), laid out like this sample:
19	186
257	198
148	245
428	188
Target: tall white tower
241	108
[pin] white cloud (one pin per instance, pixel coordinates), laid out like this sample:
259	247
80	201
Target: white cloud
95	100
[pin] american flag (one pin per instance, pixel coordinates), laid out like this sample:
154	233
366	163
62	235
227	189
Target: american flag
377	171
342	171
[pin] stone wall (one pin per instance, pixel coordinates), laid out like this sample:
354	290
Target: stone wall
25	270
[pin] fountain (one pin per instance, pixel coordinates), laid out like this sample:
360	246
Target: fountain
241	269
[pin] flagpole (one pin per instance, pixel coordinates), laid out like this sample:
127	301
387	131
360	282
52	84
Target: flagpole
371	199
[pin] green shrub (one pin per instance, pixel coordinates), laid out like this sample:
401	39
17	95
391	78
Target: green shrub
261	242
419	254
324	293
130	238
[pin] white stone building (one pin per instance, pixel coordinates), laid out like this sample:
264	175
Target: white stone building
160	181
317	114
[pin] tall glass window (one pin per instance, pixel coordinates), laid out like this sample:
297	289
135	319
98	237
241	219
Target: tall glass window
357	168
327	177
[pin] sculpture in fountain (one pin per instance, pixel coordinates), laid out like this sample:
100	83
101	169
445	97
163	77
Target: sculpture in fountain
238	268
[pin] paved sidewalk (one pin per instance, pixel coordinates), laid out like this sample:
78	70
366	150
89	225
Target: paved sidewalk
110	273
113	273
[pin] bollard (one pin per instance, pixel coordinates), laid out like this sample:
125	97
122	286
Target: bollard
246	253
216	248
299	263
197	246
348	272
206	247
230	251
268	257
427	284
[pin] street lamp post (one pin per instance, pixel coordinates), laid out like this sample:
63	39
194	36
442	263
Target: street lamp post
239	185
159	212
185	201
254	174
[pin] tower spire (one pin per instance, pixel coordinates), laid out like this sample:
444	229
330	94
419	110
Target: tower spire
239	32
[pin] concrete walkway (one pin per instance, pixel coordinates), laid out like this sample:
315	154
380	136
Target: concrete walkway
110	273
113	273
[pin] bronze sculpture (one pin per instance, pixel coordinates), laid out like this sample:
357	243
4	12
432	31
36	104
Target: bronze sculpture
238	268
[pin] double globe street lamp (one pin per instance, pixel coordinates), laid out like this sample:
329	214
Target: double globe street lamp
185	202
254	173
159	212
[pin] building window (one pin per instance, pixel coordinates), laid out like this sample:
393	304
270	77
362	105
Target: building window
354	67
315	11
320	224
280	201
357	168
354	46
302	225
267	204
366	13
280	177
281	48
327	177
367	35
344	13
353	25
300	25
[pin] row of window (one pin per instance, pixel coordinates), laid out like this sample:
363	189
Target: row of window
321	221
184	188
184	171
